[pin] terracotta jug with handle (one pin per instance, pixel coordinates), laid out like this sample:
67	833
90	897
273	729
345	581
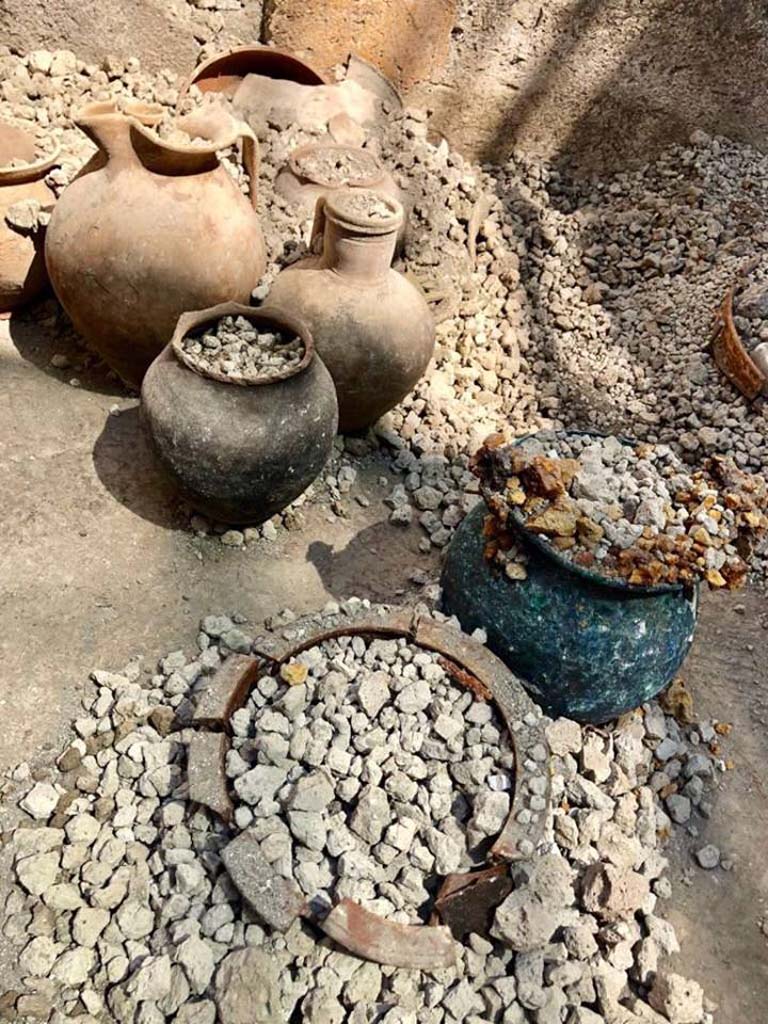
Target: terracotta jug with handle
149	230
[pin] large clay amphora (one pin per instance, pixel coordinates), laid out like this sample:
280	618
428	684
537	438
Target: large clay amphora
149	230
22	264
372	327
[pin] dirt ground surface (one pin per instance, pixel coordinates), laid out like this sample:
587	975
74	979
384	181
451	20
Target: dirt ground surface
97	566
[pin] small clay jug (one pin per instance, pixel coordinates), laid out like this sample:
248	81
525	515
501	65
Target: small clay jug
22	261
240	451
371	325
319	169
149	230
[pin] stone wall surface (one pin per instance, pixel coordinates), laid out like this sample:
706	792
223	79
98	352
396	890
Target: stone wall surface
605	82
408	39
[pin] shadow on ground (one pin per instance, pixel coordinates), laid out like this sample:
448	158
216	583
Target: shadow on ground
370	562
36	334
126	466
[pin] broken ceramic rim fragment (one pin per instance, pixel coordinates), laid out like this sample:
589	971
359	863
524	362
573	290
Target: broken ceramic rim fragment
746	370
31	171
469	663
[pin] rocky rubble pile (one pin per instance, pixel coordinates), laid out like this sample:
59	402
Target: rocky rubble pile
371	778
238	349
626	511
122	909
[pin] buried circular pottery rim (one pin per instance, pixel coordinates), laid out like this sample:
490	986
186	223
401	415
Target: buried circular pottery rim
474	662
234	64
308	174
519	713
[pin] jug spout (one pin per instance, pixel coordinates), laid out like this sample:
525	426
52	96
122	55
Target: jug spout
110	128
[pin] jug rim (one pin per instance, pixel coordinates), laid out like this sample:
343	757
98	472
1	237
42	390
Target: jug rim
335	209
143	117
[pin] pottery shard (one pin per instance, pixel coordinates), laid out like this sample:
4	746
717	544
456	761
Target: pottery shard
613	893
278	901
205	770
416	946
248	988
223	692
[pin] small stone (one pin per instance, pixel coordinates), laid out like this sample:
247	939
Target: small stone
88	924
679	808
196	957
524	923
73	967
152	980
414	697
82	828
38	956
248	988
294	673
312	792
564	737
680	1000
373	693
40	802
490	812
37	874
708	857
371	815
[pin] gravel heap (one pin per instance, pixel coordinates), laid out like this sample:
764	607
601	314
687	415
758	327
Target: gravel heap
235	347
121	907
42	92
390	774
627	511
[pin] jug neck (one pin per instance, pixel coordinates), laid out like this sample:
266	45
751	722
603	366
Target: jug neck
362	257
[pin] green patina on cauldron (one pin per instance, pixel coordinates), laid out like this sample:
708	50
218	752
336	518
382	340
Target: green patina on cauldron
585	646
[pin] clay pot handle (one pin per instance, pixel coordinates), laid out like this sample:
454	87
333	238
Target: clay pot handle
251	162
318	227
